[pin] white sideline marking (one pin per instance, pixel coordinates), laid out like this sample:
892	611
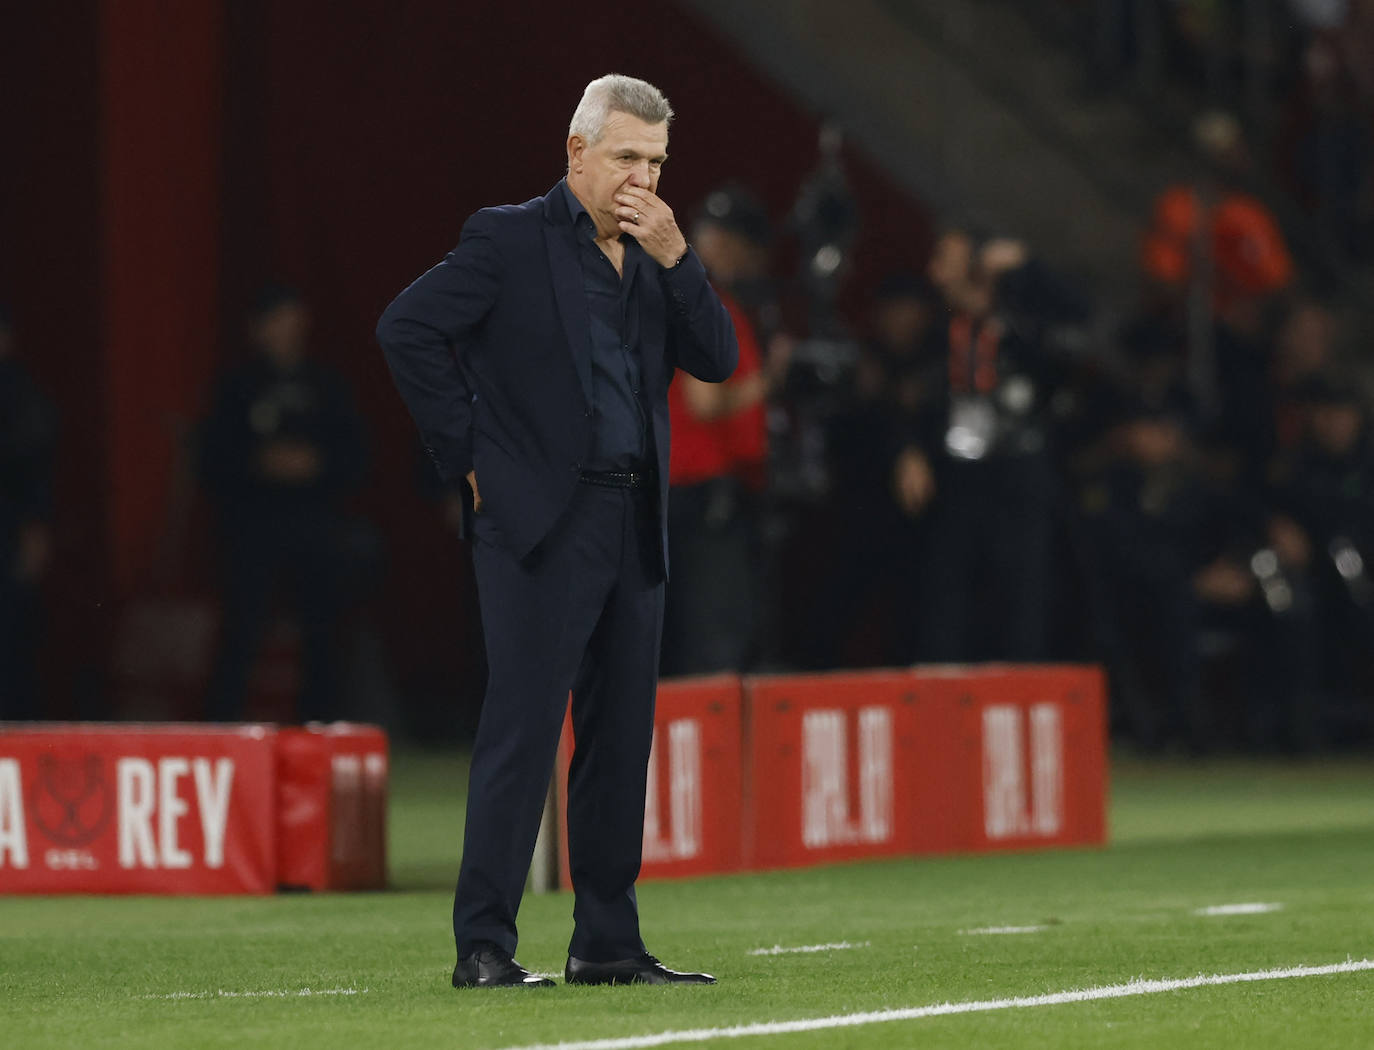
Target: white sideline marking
778	949
299	993
1239	909
1140	986
985	930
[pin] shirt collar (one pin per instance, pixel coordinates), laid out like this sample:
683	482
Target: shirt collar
585	225
582	220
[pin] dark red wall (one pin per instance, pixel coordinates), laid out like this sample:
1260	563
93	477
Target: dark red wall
354	138
50	277
161	82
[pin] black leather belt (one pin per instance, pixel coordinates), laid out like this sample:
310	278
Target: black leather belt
618	479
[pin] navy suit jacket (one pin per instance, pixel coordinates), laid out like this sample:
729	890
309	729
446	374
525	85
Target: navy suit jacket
491	351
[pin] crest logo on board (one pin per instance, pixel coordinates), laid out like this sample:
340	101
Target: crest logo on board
71	801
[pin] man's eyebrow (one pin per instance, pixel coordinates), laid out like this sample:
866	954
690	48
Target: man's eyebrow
630	151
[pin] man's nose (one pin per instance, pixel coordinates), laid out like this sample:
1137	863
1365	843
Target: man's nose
639	176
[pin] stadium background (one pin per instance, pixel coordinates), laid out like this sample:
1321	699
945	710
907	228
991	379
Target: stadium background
166	160
160	159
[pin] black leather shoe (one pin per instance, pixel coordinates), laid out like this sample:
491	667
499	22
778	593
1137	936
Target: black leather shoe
643	970
493	967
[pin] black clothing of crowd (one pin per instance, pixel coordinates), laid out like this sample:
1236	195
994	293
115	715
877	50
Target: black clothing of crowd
1073	500
1008	480
28	434
281	448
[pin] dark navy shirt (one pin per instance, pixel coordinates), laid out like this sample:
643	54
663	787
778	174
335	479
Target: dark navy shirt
617	375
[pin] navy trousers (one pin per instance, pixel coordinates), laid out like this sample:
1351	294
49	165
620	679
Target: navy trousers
584	612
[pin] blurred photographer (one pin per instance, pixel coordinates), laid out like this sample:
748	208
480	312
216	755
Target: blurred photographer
988	484
1191	577
718	460
1258	614
1324	493
280	450
881	478
1148	510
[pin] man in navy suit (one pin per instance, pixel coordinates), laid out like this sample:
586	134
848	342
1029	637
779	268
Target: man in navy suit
536	360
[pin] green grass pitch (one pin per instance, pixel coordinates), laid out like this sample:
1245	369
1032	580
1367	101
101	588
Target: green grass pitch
92	973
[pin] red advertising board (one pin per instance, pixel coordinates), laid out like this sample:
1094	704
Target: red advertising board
830	774
191	809
692	811
1027	749
137	809
812	769
331	815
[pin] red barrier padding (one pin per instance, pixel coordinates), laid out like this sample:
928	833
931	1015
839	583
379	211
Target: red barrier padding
304	780
137	809
830	775
197	809
331	816
833	767
1028	751
358	799
692	812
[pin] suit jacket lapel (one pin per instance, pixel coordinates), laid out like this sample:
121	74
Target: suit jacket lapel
566	271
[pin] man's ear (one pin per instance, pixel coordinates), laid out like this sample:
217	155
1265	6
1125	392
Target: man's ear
577	146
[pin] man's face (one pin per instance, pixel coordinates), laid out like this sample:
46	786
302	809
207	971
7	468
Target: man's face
727	256
1336	427
899	323
281	332
1305	340
951	261
629	153
1153	442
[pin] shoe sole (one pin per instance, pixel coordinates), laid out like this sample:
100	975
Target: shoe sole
628	980
542	982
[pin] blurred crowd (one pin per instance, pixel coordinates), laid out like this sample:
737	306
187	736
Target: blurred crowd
1299	73
980	467
977	463
985	467
280	449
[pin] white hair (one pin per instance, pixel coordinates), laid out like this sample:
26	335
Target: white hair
615	93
